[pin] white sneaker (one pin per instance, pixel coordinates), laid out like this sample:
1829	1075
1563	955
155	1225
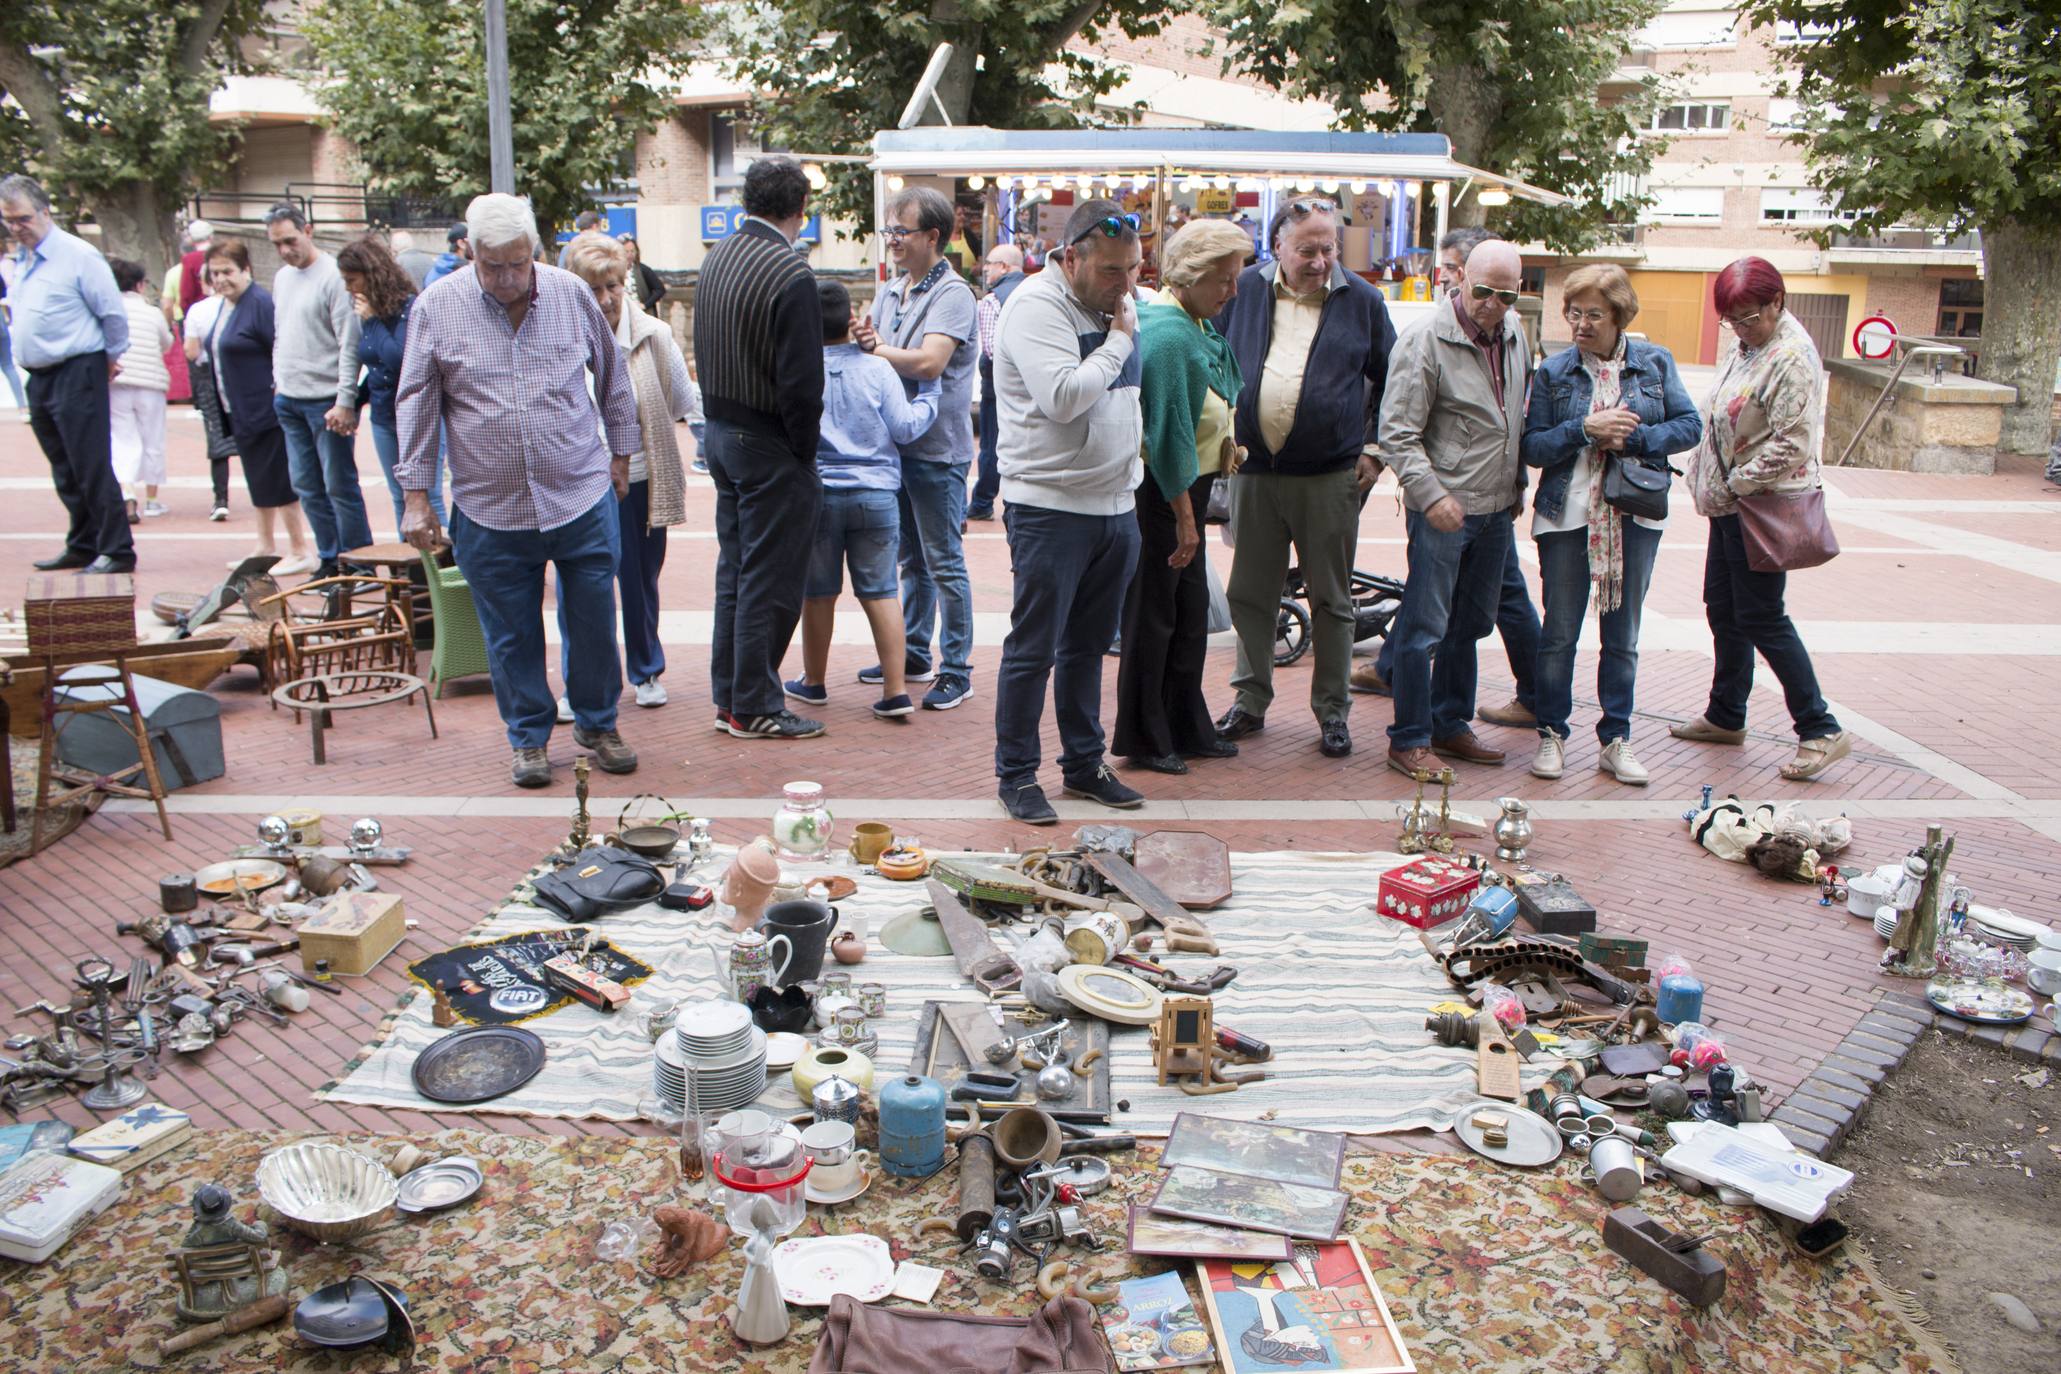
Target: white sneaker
651	692
1552	757
219	514
152	509
1618	760
565	715
304	563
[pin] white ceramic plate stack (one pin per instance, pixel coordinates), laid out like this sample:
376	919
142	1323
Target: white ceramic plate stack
719	1045
1996	926
1885	922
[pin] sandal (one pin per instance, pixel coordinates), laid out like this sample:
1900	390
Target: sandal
1814	756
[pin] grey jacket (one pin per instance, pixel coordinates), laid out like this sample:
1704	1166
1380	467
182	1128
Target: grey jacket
1440	427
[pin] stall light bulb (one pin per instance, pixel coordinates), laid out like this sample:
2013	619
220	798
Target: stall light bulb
1251	184
1359	188
1493	197
1221	183
1305	186
1330	188
895	183
976	183
818	178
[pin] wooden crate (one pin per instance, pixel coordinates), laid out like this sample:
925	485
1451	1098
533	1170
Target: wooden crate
75	612
354	932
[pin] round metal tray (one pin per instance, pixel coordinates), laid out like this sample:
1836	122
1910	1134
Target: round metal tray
445	1183
1533	1141
478	1064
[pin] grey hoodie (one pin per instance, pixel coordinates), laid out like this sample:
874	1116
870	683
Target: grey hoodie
1066	387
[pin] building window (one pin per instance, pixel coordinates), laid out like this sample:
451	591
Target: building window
1693	116
1800	205
732	144
1784	116
1697	204
1532	281
1960	308
1789	33
1707	29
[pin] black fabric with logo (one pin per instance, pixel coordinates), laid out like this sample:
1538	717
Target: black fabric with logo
502	982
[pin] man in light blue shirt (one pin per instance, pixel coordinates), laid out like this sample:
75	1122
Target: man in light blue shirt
69	332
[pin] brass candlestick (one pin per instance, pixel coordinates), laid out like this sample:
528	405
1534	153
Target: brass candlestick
583	824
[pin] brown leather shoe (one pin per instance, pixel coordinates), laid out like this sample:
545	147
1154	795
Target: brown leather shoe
1411	762
1466	747
1510	714
1367	678
1703	732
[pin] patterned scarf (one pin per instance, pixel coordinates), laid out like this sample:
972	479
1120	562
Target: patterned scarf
1606	528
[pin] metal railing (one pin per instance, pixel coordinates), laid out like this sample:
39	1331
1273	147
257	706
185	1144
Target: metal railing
329	205
1912	241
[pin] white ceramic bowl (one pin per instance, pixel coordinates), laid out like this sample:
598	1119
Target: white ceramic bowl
2045	979
1865	892
326	1191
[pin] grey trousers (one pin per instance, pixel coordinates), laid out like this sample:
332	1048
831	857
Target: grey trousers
1319	518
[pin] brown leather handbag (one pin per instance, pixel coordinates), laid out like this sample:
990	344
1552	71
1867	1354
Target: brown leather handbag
1786	530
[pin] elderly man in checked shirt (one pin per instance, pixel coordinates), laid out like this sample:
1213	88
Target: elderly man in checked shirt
500	353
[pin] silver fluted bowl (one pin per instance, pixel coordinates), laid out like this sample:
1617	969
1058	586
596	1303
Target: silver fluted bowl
326	1191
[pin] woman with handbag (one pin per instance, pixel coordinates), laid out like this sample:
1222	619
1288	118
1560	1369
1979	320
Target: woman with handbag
1755	475
1188	387
1604	415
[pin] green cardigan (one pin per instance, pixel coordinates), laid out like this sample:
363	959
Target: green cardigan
1181	359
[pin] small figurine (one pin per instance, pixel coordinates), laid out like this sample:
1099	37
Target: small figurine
440	1011
686	1238
214	1279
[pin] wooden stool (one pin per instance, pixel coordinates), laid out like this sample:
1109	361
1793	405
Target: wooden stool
114	689
322	693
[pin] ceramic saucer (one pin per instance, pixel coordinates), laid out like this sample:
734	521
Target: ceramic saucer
846	1194
783	1048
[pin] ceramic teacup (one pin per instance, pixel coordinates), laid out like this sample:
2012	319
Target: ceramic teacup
835	1163
871	839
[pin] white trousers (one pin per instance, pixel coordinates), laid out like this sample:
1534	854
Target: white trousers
137	417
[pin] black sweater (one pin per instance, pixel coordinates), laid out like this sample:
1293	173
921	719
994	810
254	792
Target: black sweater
758	338
1340	407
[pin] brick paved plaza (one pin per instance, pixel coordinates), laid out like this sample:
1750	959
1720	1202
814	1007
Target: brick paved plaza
1933	634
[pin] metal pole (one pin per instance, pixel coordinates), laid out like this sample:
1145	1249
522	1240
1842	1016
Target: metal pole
500	129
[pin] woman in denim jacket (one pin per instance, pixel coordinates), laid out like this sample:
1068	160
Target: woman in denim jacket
1606	395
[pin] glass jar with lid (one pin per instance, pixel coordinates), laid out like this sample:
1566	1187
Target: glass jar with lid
802	825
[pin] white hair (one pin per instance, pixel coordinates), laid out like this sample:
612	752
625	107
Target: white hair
496	220
401	241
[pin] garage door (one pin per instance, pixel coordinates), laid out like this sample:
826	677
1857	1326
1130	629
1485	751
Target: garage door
1824	316
1671	311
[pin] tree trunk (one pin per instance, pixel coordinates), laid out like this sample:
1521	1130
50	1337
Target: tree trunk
2021	326
1464	106
135	225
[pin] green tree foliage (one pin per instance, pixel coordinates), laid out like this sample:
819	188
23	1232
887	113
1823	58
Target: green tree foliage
1947	113
838	70
405	81
108	106
1513	83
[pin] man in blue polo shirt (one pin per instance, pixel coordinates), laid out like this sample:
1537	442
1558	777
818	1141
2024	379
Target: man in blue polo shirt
69	333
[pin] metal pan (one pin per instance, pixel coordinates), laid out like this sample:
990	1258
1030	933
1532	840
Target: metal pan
239	875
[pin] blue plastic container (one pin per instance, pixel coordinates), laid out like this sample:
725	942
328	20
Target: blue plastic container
1681	999
912	1126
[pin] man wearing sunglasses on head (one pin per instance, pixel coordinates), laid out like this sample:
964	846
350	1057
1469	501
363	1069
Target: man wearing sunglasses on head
1066	385
1450	424
1312	341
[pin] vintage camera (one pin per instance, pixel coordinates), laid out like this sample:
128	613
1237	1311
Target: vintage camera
996	1244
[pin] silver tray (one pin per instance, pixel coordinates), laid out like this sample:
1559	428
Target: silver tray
433	1187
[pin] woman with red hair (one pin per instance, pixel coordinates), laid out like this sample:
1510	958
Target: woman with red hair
1761	429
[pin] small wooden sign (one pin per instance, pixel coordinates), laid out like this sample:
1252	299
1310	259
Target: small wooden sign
1495	1063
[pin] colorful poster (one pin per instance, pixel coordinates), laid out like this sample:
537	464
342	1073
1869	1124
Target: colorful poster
1315	1312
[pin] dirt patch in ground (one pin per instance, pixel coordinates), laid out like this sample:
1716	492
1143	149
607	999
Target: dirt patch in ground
1959	1197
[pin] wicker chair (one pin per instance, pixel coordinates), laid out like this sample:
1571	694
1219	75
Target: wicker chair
461	647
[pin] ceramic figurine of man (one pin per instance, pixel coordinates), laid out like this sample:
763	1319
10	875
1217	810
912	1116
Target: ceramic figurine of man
214	1225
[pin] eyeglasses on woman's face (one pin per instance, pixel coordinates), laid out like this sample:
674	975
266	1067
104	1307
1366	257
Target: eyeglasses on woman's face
1746	321
1591	318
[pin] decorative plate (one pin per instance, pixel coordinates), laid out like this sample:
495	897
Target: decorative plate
813	1271
433	1187
1984	1000
1110	994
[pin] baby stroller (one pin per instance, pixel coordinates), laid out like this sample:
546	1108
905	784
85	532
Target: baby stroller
1376	600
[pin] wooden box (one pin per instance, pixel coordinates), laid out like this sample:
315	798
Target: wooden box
1428	892
354	932
76	613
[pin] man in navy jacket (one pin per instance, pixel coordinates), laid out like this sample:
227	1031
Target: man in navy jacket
1312	340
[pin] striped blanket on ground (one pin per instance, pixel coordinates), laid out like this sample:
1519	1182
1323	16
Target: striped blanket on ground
1340	993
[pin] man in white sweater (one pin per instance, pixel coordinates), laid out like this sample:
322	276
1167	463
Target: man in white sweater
1066	387
315	380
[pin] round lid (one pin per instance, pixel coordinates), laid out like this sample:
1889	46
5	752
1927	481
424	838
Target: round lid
803	791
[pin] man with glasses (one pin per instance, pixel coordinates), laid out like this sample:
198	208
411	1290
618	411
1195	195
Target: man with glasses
923	323
69	330
1312	341
1517	619
1450	425
1066	382
1002	272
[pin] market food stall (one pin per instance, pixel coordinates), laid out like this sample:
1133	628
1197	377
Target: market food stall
1396	189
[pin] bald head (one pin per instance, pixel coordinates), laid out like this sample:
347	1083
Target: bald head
1493	272
1001	260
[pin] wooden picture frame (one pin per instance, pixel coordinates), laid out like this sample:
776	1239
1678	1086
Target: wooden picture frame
1287	1154
1330	1296
1252	1204
1179	1238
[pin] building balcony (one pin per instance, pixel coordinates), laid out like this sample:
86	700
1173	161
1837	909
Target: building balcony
1909	247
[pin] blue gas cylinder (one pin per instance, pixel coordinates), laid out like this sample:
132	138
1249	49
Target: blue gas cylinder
1680	999
912	1126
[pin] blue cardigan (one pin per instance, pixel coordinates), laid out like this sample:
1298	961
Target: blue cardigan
1339	411
380	344
1553	437
245	380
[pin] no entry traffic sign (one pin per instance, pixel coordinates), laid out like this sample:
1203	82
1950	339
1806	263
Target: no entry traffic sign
1875	337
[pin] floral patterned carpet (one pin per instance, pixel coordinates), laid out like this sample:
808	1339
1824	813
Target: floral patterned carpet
1484	1268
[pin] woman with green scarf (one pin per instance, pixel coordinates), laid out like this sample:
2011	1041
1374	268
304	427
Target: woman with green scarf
1188	387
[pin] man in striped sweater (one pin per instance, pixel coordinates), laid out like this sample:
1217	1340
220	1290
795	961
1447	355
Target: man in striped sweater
758	343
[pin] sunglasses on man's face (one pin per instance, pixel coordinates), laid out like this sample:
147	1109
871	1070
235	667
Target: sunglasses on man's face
1109	226
1300	208
1482	293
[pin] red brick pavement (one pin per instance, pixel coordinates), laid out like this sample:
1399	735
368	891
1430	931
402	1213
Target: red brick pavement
1787	978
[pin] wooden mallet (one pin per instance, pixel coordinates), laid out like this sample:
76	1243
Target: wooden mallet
259	1313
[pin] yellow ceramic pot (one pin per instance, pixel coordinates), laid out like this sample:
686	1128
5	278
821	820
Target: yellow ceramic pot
818	1063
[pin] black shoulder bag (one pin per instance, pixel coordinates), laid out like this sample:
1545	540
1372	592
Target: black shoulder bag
1637	487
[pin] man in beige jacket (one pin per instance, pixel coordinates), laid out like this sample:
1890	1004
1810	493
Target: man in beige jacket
1451	419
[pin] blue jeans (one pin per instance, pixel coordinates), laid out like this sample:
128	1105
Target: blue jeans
325	476
1564	587
859	526
987	484
640	557
386	442
936	592
1746	613
1449	602
505	569
1516	622
1070	572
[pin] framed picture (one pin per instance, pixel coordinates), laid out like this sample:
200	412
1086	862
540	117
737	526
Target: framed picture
1316	1312
1315	1159
1253	1204
1157	1235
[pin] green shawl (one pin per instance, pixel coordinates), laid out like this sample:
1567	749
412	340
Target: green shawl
1180	359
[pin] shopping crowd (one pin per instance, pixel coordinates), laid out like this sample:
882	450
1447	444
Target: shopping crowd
1114	426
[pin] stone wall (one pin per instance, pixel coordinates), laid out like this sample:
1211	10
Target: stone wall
1951	426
